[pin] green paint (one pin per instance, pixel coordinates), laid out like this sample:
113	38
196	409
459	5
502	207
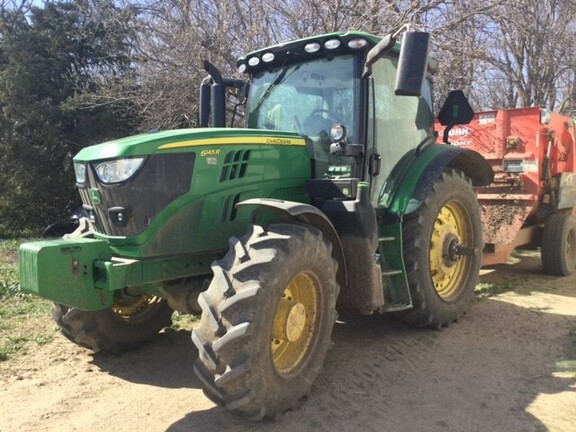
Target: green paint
372	39
399	191
150	143
95	197
63	271
188	234
83	272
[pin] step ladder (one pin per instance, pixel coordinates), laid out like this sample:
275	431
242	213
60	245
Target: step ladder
393	270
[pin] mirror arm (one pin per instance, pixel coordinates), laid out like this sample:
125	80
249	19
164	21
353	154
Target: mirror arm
447	130
377	51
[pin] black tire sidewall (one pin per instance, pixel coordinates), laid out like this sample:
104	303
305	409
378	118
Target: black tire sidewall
554	240
267	261
105	331
429	308
298	382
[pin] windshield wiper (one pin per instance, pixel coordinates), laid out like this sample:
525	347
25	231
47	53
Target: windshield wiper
282	76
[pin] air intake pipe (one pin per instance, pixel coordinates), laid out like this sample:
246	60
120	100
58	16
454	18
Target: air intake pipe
213	96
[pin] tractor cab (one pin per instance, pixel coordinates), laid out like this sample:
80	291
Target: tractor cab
346	93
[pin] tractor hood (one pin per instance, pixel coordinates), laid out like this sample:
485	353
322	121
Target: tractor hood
167	141
175	192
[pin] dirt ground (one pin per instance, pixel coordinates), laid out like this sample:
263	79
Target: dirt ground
508	365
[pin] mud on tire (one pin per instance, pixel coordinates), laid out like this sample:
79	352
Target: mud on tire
113	330
442	252
267	319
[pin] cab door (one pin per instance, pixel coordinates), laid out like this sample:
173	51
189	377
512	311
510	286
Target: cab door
396	124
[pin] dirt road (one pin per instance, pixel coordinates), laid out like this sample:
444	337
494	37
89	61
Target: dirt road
508	365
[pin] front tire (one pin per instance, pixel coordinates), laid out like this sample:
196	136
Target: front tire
267	320
131	321
558	249
442	252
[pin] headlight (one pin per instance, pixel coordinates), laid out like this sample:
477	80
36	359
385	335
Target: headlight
312	47
332	44
80	171
337	132
119	170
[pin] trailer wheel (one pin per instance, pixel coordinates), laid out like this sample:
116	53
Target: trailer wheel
442	249
267	319
130	321
558	248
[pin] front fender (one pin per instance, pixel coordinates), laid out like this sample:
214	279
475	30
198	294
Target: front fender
414	175
290	211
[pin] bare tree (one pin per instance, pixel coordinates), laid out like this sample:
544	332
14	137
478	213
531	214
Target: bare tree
503	54
531	52
174	37
459	44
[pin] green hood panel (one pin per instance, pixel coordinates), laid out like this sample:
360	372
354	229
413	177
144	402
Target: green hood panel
172	206
182	139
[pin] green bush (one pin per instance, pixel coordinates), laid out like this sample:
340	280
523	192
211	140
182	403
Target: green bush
9	281
8	269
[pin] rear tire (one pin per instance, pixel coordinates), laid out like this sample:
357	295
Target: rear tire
116	329
267	320
558	249
442	249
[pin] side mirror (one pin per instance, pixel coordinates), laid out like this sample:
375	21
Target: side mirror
412	64
455	111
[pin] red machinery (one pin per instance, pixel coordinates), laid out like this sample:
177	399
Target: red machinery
532	201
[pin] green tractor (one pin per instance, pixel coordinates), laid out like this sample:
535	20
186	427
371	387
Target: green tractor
336	194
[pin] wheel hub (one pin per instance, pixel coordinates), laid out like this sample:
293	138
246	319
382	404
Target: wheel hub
450	255
290	321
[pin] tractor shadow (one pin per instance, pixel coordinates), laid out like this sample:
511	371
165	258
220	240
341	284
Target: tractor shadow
522	273
486	372
489	371
481	373
165	361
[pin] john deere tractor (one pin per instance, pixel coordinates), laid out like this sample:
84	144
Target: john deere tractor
335	194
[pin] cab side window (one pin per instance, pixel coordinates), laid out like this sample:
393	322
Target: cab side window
397	123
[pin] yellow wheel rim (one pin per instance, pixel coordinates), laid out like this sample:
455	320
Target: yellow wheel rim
448	268
294	324
131	307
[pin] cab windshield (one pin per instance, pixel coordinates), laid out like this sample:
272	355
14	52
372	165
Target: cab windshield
308	98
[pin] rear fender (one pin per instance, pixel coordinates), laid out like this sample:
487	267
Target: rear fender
414	175
290	212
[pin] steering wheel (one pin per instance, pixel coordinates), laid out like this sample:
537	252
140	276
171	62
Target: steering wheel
321	111
319	120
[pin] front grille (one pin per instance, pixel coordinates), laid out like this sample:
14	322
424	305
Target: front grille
161	180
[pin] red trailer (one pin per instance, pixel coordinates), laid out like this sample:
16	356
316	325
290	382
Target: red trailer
532	201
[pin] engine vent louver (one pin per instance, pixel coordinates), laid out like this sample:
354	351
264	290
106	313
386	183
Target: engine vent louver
229	210
235	165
